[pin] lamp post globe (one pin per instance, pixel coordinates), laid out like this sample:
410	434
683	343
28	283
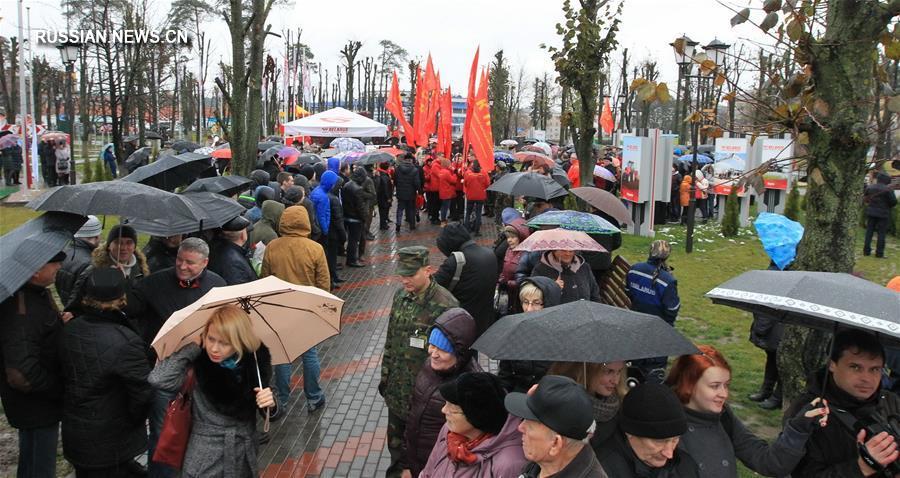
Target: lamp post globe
715	51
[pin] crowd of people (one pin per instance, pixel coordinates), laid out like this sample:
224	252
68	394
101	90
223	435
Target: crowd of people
89	366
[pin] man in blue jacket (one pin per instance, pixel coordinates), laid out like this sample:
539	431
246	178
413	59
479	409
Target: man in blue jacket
653	290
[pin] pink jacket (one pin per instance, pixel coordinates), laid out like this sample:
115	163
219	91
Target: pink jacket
500	456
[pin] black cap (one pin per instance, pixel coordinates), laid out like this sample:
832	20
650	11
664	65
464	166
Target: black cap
239	223
651	410
121	231
480	395
58	257
559	403
105	284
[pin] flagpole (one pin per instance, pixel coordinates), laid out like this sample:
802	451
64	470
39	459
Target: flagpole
22	107
33	177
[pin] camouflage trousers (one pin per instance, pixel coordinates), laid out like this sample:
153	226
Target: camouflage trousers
396	444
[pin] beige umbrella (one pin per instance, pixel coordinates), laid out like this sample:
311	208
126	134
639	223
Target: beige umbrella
290	319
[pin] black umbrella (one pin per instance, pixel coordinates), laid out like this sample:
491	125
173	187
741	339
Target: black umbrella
137	159
275	137
559	175
182	146
821	300
374	157
218	209
267	155
308	158
25	249
152	135
582	331
118	198
528	184
224	185
169	172
264	145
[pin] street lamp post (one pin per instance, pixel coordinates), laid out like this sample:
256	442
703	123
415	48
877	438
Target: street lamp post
684	59
69	52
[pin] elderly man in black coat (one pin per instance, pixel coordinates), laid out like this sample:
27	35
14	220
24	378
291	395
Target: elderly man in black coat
473	283
228	254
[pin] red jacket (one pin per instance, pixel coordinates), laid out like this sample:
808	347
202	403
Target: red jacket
432	182
573	173
476	185
447	184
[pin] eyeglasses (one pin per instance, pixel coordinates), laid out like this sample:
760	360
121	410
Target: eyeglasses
533	303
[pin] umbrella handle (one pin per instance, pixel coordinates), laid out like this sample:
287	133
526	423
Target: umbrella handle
259	378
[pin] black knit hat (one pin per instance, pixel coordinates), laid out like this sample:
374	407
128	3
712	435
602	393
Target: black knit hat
119	231
105	284
480	395
651	410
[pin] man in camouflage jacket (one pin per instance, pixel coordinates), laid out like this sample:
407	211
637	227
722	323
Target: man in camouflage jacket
413	311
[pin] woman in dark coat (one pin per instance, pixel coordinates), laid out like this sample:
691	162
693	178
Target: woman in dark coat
104	368
571	272
765	333
449	356
226	397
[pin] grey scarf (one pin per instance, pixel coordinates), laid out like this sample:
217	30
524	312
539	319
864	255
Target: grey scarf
605	408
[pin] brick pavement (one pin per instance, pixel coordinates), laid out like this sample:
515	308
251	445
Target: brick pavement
347	437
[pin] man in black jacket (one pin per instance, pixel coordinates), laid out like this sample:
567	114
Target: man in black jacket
407	185
853	392
384	188
355	211
161	251
879	199
474	285
78	257
30	387
228	254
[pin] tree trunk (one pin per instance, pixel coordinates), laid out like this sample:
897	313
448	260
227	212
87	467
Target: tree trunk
836	164
586	131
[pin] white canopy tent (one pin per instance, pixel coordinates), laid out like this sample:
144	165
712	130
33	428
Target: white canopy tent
335	123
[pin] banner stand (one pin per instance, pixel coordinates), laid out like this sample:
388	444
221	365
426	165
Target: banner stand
774	200
640	216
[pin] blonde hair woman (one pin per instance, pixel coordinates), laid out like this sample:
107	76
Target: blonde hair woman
605	383
232	370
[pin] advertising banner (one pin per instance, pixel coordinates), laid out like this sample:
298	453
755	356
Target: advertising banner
777	149
731	156
636	175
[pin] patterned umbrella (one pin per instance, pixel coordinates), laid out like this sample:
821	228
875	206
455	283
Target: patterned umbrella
288	152
574	221
559	240
349	156
348	144
504	156
604	173
509	142
539	159
9	141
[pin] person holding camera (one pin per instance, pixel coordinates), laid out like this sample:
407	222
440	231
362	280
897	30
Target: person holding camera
858	440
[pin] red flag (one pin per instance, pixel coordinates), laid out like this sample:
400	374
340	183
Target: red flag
421	106
431	82
480	128
606	117
395	105
470	104
445	129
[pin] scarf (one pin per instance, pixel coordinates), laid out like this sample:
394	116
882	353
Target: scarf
459	448
605	408
126	268
549	259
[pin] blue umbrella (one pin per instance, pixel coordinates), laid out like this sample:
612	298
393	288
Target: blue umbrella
779	236
701	158
574	221
504	156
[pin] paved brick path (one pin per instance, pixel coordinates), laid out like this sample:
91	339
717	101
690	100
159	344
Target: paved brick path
347	437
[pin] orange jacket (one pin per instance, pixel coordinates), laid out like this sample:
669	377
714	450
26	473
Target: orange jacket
476	185
685	191
573	174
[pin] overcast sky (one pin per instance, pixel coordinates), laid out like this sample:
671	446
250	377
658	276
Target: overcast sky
451	31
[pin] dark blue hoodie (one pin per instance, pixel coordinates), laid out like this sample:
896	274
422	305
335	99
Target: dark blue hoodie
320	200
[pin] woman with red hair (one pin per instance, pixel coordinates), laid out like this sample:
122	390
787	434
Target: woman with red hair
716	438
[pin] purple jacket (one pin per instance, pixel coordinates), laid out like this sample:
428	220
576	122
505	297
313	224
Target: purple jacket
500	456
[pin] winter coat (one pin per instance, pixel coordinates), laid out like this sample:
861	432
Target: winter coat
368	194
716	450
156	297
475	185
104	368
100	258
320	200
313	222
223	439
267	228
334	165
230	261
158	255
584	465
685	191
702	188
30	385
879	198
831	451
432	176
78	258
619	460
355	208
406	181
475	289
766	331
294	257
520	375
498	456
425	418
337	232
511	258
578	281
653	290
447	184
574	174
384	188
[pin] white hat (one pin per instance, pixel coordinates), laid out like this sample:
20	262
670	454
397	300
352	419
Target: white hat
92	228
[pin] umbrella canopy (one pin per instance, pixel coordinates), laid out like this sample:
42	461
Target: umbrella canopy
574	221
392	151
343	145
169	172
336	122
819	300
224	153
604	201
217	210
50	136
264	145
182	146
138	158
288	318
538	157
275	137
118	198
375	157
25	249
543	147
349	156
308	158
559	175
701	159
528	184
504	156
224	185
205	150
582	331
779	236
9	141
604	173
559	240
509	142
288	152
267	155
152	135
